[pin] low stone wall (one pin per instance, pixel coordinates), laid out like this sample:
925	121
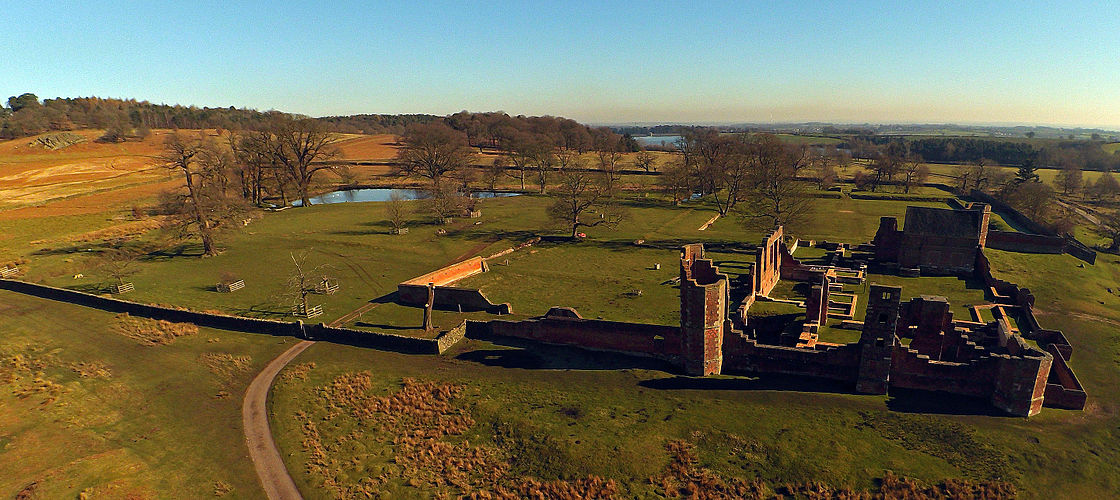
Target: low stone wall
1063	390
448	339
1023	242
376	340
912	370
743	355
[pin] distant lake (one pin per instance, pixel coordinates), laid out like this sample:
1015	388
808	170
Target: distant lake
658	140
383	194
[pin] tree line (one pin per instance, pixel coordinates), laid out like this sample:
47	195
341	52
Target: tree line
1087	154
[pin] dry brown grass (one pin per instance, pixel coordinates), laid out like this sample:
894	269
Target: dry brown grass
298	371
225	365
91	369
128	230
685	478
24	374
420	424
152	332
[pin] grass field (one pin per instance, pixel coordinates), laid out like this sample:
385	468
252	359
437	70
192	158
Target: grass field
88	410
567	420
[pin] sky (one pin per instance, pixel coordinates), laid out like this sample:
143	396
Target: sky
1055	63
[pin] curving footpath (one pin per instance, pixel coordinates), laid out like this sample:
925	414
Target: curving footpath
277	483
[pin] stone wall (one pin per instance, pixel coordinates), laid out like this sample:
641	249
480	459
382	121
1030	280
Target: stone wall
768	263
414	292
377	340
1023	242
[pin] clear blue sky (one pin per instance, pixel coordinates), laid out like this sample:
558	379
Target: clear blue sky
595	61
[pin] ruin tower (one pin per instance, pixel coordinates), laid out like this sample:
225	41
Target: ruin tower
878	338
704	296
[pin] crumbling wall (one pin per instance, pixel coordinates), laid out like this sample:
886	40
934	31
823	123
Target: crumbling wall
415	291
744	355
888	240
913	370
704	297
768	263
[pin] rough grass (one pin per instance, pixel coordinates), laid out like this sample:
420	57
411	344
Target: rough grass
86	411
152	332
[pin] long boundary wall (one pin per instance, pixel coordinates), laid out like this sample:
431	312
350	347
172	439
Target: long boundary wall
377	340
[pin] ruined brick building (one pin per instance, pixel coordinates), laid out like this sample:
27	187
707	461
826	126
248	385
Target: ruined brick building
913	345
934	240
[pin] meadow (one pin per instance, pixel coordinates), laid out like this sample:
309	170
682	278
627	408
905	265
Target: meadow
91	407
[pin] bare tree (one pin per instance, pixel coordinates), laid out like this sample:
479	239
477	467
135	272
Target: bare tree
304	280
119	263
432	150
300	148
644	160
444	203
775	195
579	193
494	173
183	155
824	171
677	181
398	209
914	172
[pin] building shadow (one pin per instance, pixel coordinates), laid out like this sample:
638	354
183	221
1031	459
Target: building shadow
939	403
758	382
528	355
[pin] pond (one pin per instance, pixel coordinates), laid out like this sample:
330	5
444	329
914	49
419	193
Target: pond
384	194
658	140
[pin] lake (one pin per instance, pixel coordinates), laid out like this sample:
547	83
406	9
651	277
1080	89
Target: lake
383	194
657	140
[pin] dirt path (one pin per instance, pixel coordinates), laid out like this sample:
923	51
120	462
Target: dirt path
270	466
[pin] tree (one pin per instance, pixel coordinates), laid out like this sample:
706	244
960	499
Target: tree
1105	187
1034	199
303	280
444	202
398	210
1110	227
644	160
24	101
914	172
204	208
579	193
1069	180
183	155
298	146
775	195
1030	134
824	172
119	263
677	181
494	173
1027	172
432	150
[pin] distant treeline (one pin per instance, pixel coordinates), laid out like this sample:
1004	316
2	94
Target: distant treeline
25	115
1086	154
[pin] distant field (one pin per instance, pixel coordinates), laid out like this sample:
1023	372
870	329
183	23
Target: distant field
1111	148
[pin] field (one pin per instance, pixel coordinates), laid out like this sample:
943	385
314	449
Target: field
96	405
351	421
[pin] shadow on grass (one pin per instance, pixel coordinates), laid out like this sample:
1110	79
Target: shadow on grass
384	326
763	382
939	403
528	355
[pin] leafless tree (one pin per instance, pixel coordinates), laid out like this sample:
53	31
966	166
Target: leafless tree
444	203
914	172
432	150
579	193
398	209
119	263
304	279
301	147
183	155
1110	228
677	181
644	160
775	195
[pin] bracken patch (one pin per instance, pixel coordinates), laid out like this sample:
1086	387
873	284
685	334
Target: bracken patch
152	332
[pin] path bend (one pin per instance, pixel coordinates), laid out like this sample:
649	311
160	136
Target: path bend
277	483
